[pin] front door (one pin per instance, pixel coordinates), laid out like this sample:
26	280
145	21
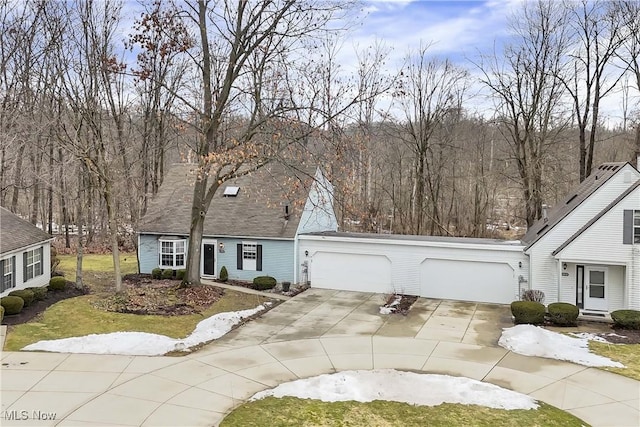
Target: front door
595	289
209	258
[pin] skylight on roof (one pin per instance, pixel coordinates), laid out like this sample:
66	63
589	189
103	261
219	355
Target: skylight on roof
231	191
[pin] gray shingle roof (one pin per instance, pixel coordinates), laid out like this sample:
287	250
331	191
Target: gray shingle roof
258	210
597	217
16	233
571	201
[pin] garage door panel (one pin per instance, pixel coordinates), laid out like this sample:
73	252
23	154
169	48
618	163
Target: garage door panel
353	272
467	280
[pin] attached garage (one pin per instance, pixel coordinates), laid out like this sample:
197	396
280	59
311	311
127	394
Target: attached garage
467	280
358	272
468	269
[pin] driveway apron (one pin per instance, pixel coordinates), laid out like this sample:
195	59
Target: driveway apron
317	332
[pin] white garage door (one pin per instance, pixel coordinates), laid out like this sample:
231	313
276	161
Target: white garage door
467	280
351	272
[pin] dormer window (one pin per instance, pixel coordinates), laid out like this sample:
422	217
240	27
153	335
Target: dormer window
231	191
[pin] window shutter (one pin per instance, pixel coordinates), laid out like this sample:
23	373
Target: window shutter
2	276
13	276
41	250
627	227
259	258
24	267
239	246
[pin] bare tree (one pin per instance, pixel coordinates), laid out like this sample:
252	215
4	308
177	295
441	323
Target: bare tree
595	40
527	90
430	92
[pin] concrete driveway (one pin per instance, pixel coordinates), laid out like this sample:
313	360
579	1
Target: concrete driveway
319	331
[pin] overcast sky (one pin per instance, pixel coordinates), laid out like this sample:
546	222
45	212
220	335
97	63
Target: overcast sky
460	30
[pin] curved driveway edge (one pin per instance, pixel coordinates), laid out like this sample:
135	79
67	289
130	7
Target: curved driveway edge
317	332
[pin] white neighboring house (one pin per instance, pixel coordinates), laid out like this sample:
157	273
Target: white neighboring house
25	254
586	249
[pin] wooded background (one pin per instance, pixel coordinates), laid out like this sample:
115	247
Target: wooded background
92	119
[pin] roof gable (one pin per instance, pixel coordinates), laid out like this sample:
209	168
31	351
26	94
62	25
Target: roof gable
595	219
575	198
264	203
16	233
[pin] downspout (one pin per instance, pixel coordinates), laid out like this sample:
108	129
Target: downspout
295	258
559	271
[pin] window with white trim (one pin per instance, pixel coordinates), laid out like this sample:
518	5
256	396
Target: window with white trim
8	270
172	254
249	255
32	264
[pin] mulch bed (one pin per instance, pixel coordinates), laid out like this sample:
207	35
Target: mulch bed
144	295
621	336
38	307
403	307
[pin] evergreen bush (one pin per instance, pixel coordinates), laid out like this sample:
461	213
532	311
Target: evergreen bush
563	314
528	312
12	304
156	273
57	283
263	283
26	295
224	274
626	319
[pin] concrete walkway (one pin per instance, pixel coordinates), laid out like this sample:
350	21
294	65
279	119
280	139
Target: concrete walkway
316	332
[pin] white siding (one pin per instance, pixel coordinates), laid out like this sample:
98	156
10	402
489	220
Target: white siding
544	267
407	256
615	284
602	244
41	280
318	214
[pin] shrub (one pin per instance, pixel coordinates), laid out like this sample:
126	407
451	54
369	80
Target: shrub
39	292
26	295
532	295
224	274
57	283
626	319
12	304
1	313
563	314
156	273
167	274
262	283
530	312
180	274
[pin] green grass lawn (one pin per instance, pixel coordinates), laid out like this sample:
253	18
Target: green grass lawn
78	316
627	354
294	412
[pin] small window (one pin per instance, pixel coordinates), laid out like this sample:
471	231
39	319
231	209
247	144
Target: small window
249	255
8	273
231	191
172	254
636	227
32	264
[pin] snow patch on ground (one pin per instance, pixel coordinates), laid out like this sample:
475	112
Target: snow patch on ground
390	308
530	340
145	344
399	386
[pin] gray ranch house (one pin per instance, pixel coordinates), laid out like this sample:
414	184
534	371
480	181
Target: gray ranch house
25	254
584	251
251	227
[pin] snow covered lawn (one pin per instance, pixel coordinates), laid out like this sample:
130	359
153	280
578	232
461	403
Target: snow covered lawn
146	344
530	340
